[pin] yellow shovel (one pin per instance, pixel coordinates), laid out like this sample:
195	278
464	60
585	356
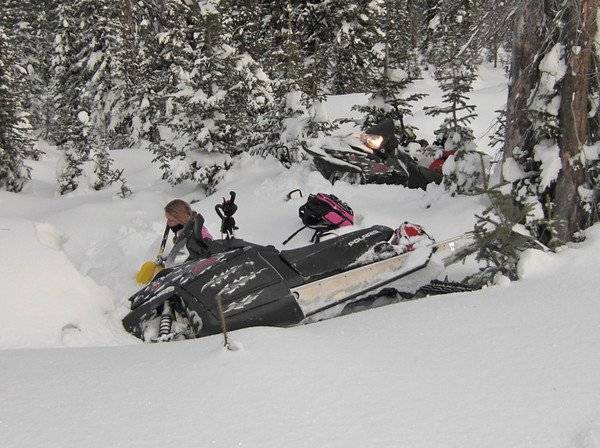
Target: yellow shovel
150	268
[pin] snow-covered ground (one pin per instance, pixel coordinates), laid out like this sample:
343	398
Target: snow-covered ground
509	366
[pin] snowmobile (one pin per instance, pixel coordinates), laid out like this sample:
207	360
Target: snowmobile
246	284
371	157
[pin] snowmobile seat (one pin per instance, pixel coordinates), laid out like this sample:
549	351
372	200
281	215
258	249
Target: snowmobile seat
336	254
272	256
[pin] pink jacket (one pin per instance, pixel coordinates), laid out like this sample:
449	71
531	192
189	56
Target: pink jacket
206	234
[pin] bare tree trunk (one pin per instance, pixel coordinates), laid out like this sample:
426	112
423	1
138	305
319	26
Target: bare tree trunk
580	31
129	31
523	75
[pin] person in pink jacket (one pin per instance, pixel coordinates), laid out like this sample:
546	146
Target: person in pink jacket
188	224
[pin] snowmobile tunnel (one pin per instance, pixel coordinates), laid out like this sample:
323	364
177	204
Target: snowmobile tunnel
333	256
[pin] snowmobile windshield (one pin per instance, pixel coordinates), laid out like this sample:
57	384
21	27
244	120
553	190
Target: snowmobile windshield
385	129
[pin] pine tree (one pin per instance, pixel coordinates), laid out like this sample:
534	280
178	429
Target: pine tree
356	31
393	67
250	24
214	97
150	72
137	24
169	70
499	244
21	20
283	124
76	149
431	22
67	82
494	30
499	127
41	104
416	29
455	81
548	117
93	89
455	70
107	88
316	23
29	31
15	141
102	162
62	58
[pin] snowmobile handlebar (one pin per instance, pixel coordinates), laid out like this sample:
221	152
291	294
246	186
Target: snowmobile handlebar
228	208
291	193
225	211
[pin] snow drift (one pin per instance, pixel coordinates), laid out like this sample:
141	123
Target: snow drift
47	302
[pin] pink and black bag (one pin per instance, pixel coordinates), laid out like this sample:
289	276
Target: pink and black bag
322	213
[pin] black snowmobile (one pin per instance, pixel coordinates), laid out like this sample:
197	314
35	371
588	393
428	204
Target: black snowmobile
253	285
371	157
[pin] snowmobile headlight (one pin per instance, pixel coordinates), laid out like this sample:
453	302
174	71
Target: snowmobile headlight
372	141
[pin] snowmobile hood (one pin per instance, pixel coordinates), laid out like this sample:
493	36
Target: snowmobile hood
243	281
177	277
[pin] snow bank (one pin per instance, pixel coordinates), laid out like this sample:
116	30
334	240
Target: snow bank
46	301
535	263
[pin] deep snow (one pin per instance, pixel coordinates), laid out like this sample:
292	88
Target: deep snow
509	366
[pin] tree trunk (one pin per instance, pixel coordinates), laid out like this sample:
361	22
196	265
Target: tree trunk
580	31
128	21
523	75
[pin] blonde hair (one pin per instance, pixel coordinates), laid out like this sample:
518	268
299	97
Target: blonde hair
180	210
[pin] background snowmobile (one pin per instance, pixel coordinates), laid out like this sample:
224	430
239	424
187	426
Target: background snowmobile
253	285
371	157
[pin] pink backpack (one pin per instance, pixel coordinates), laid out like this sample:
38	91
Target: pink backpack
323	212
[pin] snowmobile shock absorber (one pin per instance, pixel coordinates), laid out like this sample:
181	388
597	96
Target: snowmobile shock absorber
166	321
